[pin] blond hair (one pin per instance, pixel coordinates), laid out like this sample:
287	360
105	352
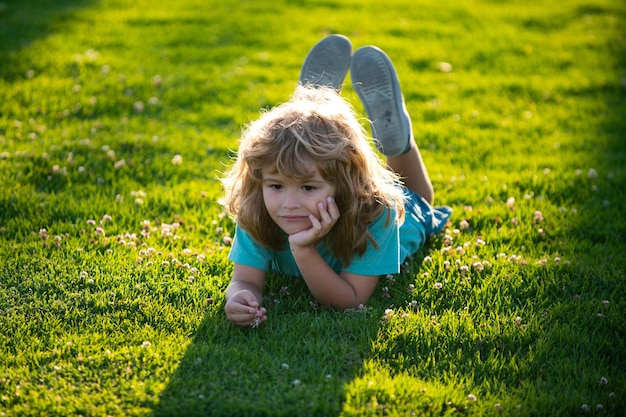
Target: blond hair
316	125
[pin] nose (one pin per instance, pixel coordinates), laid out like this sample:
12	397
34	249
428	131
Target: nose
290	200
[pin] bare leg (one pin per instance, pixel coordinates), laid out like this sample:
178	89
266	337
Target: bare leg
410	167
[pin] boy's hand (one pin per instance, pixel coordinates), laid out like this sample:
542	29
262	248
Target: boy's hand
329	214
243	309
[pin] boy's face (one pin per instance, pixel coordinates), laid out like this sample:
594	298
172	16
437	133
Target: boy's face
290	201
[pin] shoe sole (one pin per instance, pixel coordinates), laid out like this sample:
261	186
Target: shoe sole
327	63
376	83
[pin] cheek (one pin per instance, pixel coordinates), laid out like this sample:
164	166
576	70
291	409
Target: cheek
270	202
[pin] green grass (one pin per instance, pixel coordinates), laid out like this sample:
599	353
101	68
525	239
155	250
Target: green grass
98	98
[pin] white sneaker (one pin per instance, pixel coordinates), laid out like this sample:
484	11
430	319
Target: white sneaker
327	63
376	83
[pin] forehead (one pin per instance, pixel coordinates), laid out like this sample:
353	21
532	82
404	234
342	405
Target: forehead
304	170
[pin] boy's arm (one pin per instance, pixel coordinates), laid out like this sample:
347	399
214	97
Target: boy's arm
342	290
244	296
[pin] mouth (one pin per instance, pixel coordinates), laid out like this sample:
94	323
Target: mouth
294	218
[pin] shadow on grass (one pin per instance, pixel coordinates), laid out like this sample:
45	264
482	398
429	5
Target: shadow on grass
24	22
227	370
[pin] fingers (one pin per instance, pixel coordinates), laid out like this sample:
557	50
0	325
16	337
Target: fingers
329	213
245	317
243	309
333	210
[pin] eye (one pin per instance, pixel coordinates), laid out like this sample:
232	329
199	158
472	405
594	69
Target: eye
275	186
308	187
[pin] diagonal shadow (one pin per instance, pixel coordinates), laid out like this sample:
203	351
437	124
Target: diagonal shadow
24	22
331	349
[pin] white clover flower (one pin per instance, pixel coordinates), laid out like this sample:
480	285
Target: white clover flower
139	107
444	66
592	174
471	397
510	203
177	159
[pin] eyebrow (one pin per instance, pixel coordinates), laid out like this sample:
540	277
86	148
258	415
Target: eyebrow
272	178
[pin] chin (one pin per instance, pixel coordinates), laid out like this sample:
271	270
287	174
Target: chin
293	230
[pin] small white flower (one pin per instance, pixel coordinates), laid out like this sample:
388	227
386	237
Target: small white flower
177	159
471	397
510	203
592	173
444	66
139	107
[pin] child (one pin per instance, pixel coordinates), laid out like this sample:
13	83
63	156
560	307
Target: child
312	199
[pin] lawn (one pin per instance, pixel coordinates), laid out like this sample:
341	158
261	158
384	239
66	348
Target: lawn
117	118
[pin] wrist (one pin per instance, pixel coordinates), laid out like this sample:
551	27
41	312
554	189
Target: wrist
302	249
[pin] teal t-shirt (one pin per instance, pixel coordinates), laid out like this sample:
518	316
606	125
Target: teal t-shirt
395	244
